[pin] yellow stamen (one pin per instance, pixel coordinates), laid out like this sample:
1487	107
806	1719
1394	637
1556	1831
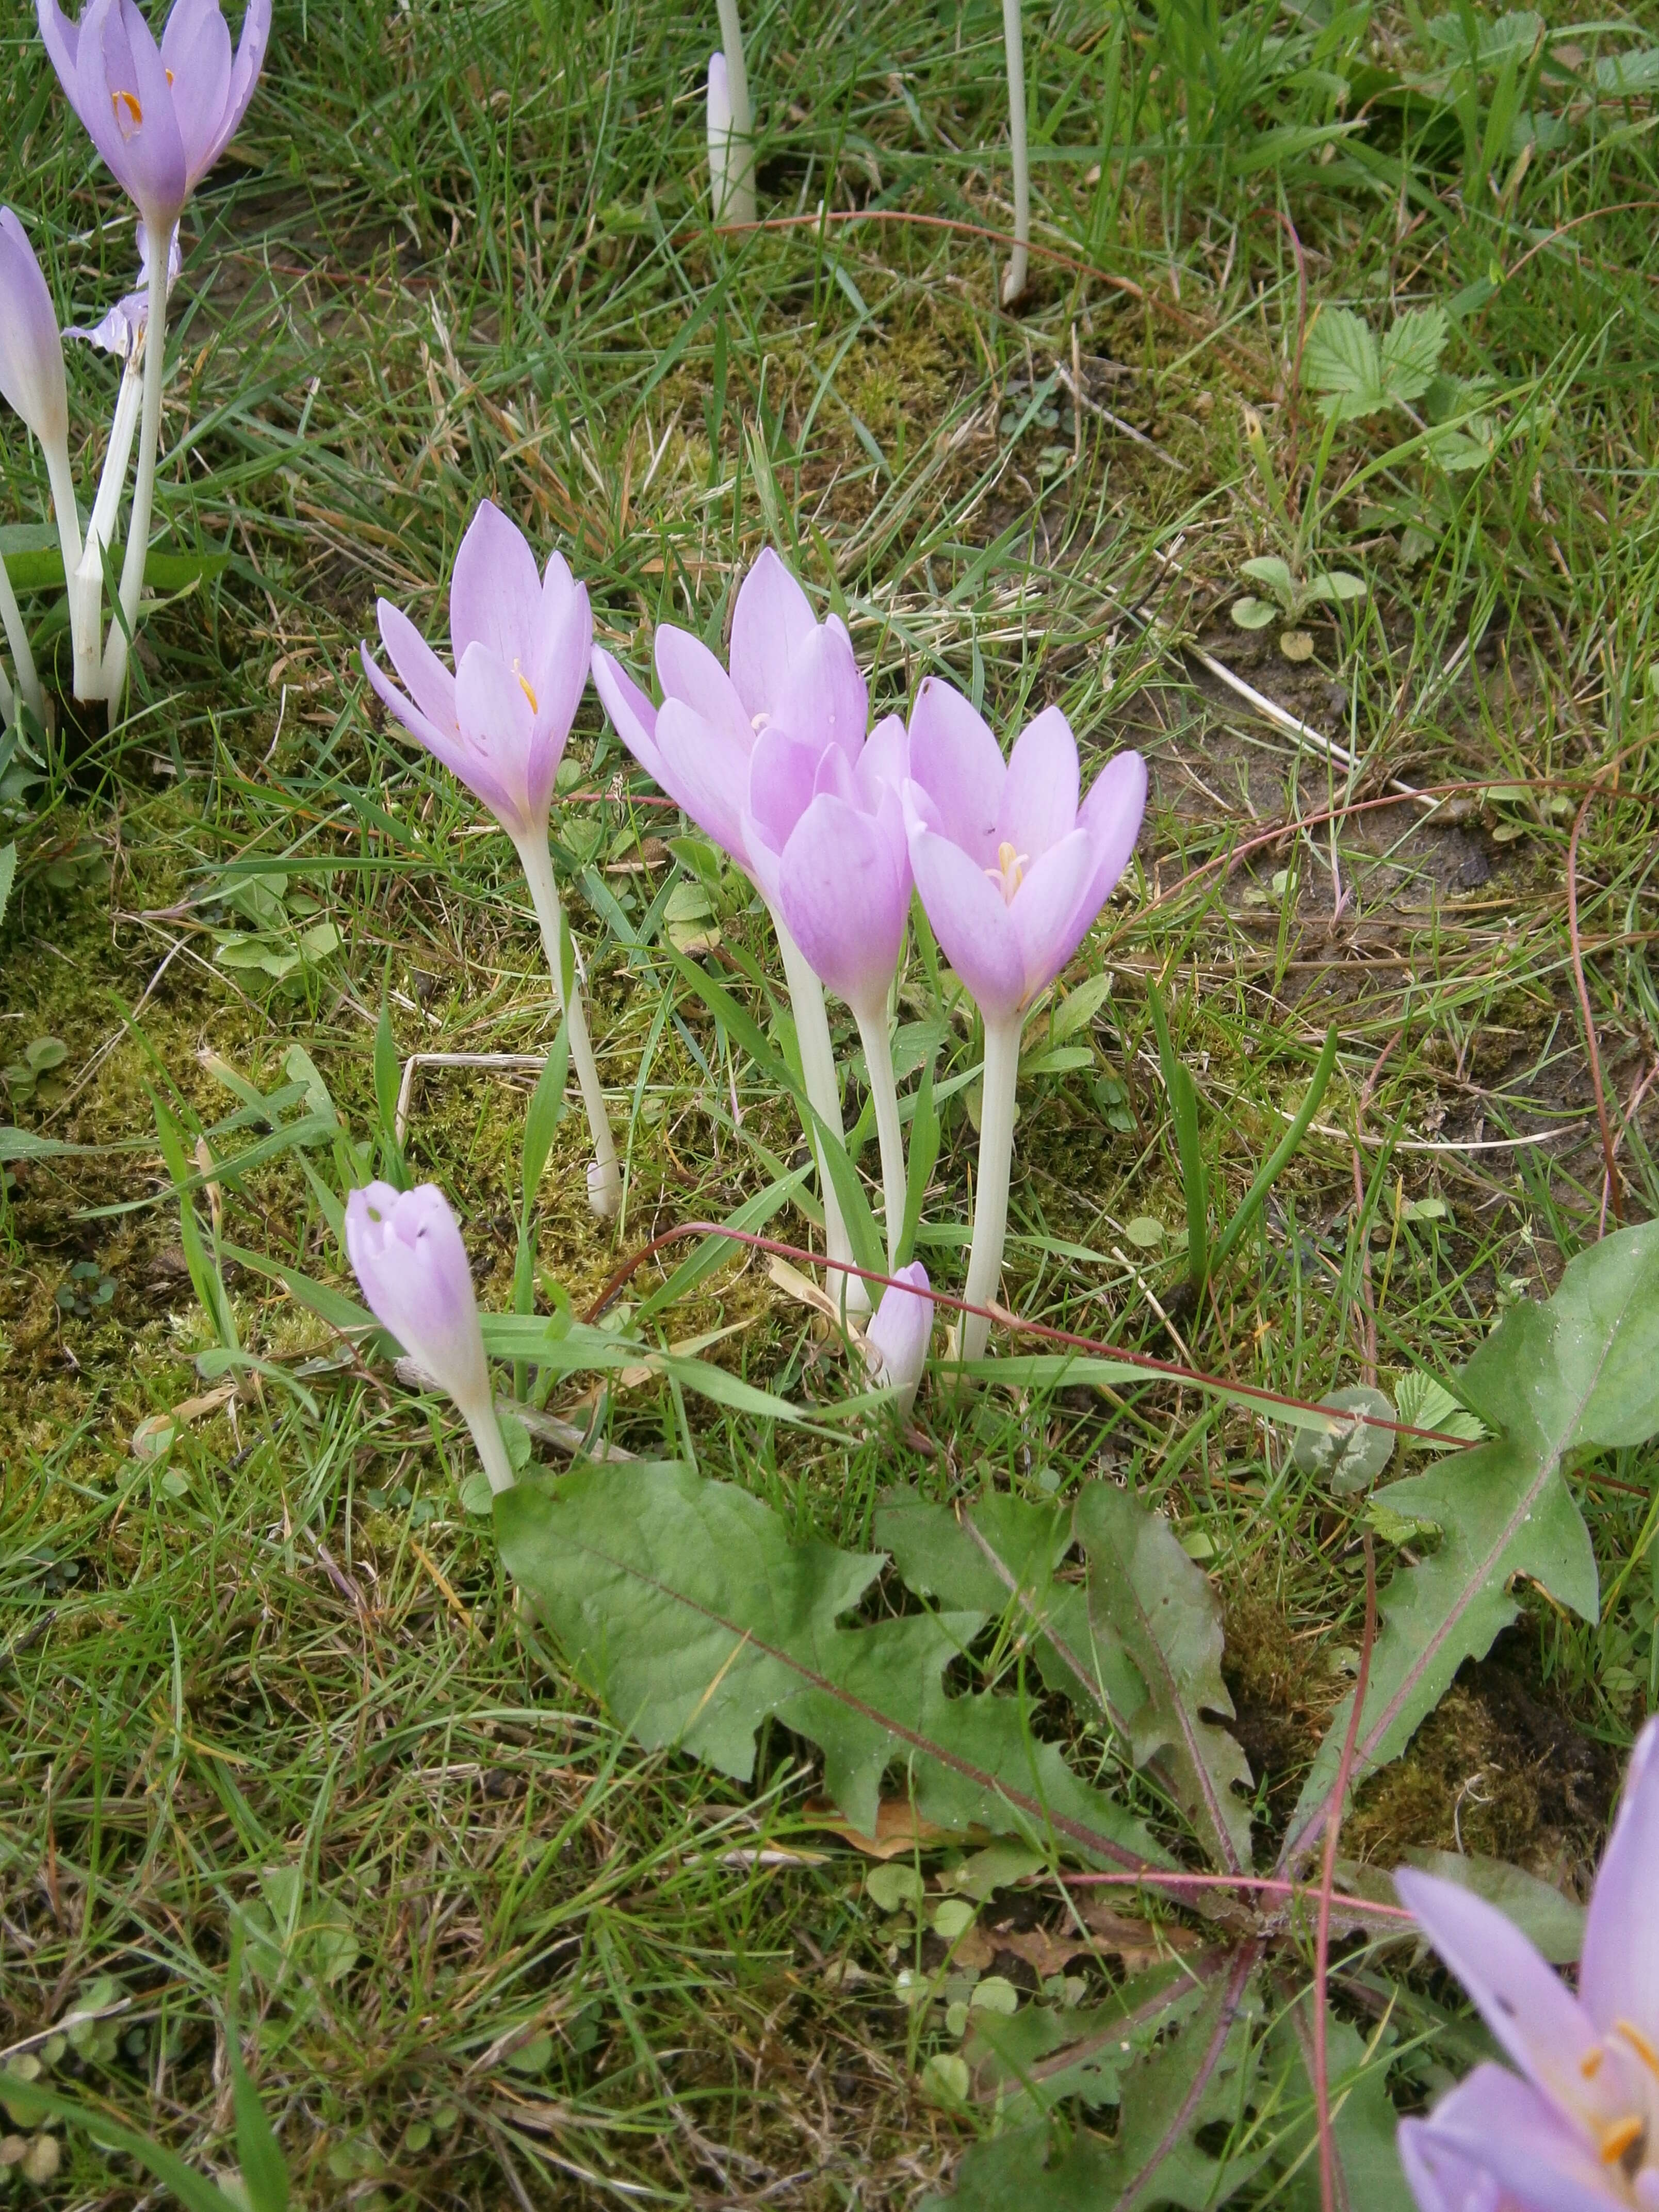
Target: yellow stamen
118	101
524	688
1009	872
1590	2064
169	76
1623	2136
1639	2044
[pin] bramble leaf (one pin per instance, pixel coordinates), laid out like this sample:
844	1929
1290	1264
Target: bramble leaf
1342	361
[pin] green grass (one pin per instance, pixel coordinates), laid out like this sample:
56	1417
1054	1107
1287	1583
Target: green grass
462	250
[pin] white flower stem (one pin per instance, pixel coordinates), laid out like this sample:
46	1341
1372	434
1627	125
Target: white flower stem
877	1039
996	1151
68	518
28	683
818	1067
605	1176
738	202
86	590
1013	282
486	1436
143	490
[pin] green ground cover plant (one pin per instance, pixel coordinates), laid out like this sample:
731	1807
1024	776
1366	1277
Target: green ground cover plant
779	1794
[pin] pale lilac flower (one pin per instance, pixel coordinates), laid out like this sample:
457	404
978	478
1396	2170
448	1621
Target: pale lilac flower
499	723
161	117
823	829
406	1252
1577	2128
31	351
788	672
896	1340
502	722
124	324
1011	873
1012	870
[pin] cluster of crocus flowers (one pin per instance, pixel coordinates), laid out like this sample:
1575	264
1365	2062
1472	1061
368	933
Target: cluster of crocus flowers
772	762
835	824
1577	2129
159	116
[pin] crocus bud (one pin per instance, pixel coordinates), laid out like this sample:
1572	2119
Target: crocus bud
31	351
720	136
897	1339
406	1252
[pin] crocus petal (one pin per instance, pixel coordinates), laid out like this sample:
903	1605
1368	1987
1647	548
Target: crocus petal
896	1340
823	697
782	779
1045	908
558	673
705	769
1039	797
406	1252
956	760
243	75
1495	2122
1619	1974
884	763
140	137
969	917
196	55
31	351
1442	2180
62	39
1112	815
688	670
427	682
633	717
419	727
495	594
771	622
1528	2009
496	723
844	893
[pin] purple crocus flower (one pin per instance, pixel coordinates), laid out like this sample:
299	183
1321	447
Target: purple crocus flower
521	641
406	1252
31	351
896	1340
161	117
499	723
1577	2128
824	828
1012	872
789	673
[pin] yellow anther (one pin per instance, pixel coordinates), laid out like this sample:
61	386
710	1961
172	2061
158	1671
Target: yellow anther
129	100
1621	2138
1590	2064
1639	2044
1009	872
169	76
524	687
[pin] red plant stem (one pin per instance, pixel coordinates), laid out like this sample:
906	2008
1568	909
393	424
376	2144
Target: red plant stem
1090	1344
1327	1876
1612	1190
1267	1885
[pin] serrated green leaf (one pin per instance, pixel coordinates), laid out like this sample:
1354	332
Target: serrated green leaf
1582	1371
686	1606
1411	351
1621	75
1145	1595
1341	360
8	872
1554	1924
